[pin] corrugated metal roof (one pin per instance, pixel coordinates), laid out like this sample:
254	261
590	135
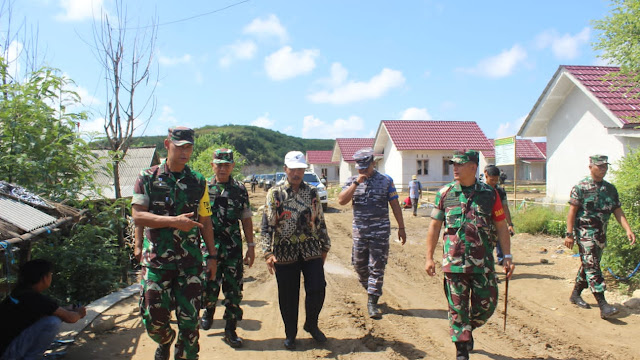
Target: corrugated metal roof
320	157
348	146
436	135
23	216
135	160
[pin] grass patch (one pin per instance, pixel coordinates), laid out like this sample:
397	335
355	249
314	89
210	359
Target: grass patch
536	219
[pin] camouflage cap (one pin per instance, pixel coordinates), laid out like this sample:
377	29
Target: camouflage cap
460	157
181	135
223	156
598	160
363	158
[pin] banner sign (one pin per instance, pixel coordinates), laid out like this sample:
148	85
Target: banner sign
505	150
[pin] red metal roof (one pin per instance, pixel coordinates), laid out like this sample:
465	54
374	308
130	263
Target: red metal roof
617	96
542	146
319	157
526	149
348	146
436	135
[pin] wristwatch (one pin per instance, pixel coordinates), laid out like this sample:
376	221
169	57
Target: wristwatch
508	256
569	235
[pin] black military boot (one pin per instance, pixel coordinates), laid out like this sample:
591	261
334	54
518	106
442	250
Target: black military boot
230	336
207	319
606	310
576	298
163	351
462	351
372	307
315	332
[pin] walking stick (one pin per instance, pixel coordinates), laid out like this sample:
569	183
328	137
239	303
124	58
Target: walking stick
506	301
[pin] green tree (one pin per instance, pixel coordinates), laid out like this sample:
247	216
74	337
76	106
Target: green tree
619	38
39	147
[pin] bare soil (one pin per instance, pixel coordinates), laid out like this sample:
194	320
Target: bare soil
541	323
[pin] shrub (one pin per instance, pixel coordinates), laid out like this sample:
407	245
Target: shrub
540	220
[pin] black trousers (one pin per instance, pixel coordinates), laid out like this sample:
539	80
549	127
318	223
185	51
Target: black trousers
288	277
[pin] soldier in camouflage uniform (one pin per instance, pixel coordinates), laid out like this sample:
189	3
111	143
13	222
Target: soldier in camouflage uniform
592	202
230	207
172	202
371	192
295	241
467	208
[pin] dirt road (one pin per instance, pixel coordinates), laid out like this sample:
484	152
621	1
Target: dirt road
541	323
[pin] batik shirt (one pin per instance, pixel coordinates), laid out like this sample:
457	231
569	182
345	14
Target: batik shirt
467	213
371	205
166	193
229	205
596	202
293	226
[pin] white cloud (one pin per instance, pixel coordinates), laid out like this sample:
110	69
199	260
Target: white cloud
12	55
344	93
415	114
263	122
267	27
76	10
564	47
500	65
241	50
159	124
171	61
315	128
510	128
285	63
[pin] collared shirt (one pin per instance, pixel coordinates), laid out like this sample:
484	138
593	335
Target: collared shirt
467	213
371	205
166	193
293	226
229	204
596	202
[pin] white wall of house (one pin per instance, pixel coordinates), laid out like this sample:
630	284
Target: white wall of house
346	171
402	165
331	169
577	130
533	171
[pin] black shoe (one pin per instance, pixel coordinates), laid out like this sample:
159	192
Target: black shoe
230	336
470	343
577	299
462	352
290	343
207	319
316	333
163	351
372	307
606	310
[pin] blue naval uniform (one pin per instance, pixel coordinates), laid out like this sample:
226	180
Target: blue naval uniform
371	229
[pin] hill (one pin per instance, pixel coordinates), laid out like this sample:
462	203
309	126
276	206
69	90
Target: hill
259	145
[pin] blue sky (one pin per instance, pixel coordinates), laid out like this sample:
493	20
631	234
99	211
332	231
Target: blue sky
327	69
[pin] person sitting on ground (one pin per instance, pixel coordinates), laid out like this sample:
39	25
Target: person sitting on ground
30	320
407	203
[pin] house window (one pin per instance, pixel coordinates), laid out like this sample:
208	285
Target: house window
423	167
445	167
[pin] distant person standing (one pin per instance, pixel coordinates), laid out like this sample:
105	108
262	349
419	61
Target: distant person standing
254	182
492	178
371	193
172	202
415	193
503	177
466	208
295	241
31	320
592	202
230	208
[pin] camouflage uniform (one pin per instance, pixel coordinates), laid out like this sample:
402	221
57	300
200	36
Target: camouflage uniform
229	205
596	202
371	229
467	214
171	257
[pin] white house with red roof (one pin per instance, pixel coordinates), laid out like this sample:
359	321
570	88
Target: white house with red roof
530	159
320	162
343	151
584	110
424	148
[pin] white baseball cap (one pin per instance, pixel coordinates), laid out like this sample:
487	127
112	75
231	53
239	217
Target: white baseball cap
295	160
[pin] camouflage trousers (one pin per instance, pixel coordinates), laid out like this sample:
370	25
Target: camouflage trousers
165	290
481	290
228	276
590	273
369	258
